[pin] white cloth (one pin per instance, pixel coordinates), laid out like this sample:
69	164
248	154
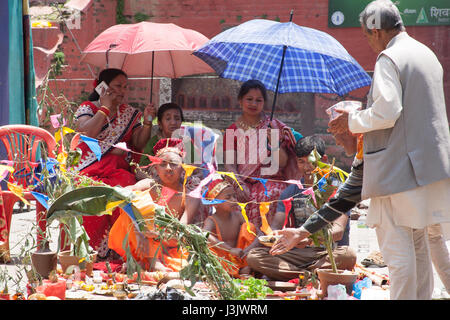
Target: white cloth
439	254
387	100
406	253
415	208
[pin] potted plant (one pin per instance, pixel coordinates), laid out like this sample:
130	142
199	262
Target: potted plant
326	181
203	264
69	210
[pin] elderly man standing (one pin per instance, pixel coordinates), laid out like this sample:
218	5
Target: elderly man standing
406	149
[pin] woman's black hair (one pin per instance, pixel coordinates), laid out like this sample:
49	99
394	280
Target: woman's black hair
168	106
106	75
252	84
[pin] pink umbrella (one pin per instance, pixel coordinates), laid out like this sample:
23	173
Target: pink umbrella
135	47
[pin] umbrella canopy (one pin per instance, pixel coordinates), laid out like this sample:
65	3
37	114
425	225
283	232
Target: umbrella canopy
132	47
314	61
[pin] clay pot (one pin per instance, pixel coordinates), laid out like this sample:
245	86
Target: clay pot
44	262
328	278
66	259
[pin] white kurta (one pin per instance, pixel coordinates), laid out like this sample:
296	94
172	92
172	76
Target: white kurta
416	208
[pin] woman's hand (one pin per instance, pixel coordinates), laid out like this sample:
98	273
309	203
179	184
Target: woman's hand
149	111
108	99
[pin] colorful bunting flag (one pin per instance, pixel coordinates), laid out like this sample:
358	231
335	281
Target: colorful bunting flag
60	133
244	214
263	209
122	145
297	182
18	191
232	176
55	122
42	198
263	181
287	207
93	145
310	191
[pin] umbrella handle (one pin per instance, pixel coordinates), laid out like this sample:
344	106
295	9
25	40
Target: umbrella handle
151	81
111	46
279	73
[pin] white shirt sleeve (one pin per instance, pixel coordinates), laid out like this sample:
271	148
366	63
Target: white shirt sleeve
387	100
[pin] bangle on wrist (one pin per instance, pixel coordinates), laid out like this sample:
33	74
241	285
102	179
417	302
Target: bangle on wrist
101	111
147	124
105	110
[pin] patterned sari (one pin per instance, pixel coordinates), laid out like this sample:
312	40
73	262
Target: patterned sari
252	167
111	169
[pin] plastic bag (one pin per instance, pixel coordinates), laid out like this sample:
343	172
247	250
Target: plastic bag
337	292
359	285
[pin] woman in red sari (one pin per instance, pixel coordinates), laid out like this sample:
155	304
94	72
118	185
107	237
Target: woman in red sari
250	152
110	120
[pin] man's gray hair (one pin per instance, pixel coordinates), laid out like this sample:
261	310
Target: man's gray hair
381	14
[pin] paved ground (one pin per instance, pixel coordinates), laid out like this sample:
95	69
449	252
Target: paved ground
23	222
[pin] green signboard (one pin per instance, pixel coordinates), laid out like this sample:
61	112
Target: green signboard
345	13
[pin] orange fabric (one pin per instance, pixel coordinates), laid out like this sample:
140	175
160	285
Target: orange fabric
174	259
245	238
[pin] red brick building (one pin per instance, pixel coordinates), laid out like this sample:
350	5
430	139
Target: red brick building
304	112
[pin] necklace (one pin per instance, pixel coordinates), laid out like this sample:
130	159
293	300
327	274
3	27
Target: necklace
245	126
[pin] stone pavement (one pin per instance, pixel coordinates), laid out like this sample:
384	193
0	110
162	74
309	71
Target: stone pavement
23	222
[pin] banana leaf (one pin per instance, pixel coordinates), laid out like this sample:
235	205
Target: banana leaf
86	201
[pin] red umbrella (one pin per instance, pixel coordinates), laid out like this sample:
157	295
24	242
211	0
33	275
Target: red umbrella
135	47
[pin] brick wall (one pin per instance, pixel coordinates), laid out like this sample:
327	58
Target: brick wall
210	17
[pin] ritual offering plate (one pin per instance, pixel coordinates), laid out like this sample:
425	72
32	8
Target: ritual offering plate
268	240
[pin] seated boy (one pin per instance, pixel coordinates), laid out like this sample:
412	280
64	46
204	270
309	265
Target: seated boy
305	256
229	236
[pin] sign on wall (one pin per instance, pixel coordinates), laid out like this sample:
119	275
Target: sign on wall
345	13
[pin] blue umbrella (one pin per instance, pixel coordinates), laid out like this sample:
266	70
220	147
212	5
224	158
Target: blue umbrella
285	57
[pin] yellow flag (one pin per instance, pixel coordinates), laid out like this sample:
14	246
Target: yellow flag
231	175
65	130
263	209
244	214
18	191
62	158
111	205
188	171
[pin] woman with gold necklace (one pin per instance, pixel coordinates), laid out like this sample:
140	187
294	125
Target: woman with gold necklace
250	152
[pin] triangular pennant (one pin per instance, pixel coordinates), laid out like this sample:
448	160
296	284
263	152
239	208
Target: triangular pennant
196	193
93	145
310	191
122	145
296	182
154	160
110	206
287	207
244	214
55	122
42	198
263	181
64	130
263	209
232	176
18	191
166	195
